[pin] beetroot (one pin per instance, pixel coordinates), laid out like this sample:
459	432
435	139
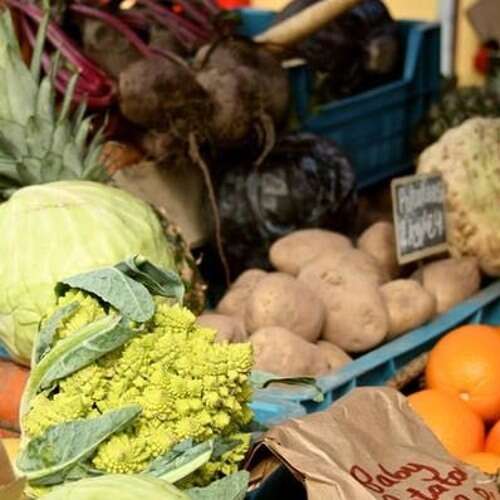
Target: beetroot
161	93
235	103
269	79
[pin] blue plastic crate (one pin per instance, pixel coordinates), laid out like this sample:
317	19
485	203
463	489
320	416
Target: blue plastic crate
3	353
381	364
271	411
374	127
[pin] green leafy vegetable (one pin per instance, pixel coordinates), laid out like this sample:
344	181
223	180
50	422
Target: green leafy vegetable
119	487
77	351
181	461
158	281
261	380
111	285
223	445
45	338
232	487
63	446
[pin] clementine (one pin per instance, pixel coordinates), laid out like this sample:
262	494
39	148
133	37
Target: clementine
493	439
466	363
484	461
458	428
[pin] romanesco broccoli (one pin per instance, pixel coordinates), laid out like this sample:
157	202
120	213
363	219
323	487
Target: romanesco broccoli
187	385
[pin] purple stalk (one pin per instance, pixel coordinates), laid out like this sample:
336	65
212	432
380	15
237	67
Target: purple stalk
134	19
182	33
114	23
58	38
211	6
98	92
175	20
195	14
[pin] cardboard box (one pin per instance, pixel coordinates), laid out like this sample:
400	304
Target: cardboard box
11	488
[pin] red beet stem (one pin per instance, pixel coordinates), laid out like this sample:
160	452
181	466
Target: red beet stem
195	13
134	19
97	91
174	21
211	6
114	23
59	39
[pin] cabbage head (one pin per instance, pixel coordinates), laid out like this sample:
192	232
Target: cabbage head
49	232
119	487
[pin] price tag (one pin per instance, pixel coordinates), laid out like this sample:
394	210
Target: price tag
419	213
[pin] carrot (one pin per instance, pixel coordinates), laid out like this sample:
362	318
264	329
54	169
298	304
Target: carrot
305	23
116	156
13	379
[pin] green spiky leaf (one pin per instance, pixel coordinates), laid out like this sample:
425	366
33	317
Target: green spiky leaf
37	143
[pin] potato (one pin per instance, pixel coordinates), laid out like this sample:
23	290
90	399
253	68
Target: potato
279	351
408	304
451	281
336	357
234	301
379	241
356	316
354	262
230	329
292	252
280	300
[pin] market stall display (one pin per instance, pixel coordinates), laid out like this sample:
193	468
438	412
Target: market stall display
204	247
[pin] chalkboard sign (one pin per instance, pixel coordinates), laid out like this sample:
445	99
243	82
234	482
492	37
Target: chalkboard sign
419	216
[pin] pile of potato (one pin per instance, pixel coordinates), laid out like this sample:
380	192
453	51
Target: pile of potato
328	299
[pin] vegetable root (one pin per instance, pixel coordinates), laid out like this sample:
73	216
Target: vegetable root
305	23
162	93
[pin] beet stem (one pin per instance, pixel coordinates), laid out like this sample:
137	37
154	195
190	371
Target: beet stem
59	39
167	54
61	80
175	21
134	19
195	14
187	39
114	23
211	6
62	72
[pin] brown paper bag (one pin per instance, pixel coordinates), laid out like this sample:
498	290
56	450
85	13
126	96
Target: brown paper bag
10	487
369	445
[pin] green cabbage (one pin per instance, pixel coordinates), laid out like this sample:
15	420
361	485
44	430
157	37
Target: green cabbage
52	231
119	487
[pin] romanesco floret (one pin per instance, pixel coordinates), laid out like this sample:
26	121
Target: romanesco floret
187	385
88	310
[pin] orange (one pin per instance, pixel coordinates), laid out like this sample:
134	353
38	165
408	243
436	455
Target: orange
466	363
493	439
484	461
458	428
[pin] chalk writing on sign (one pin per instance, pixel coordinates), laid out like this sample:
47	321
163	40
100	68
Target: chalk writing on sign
419	216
